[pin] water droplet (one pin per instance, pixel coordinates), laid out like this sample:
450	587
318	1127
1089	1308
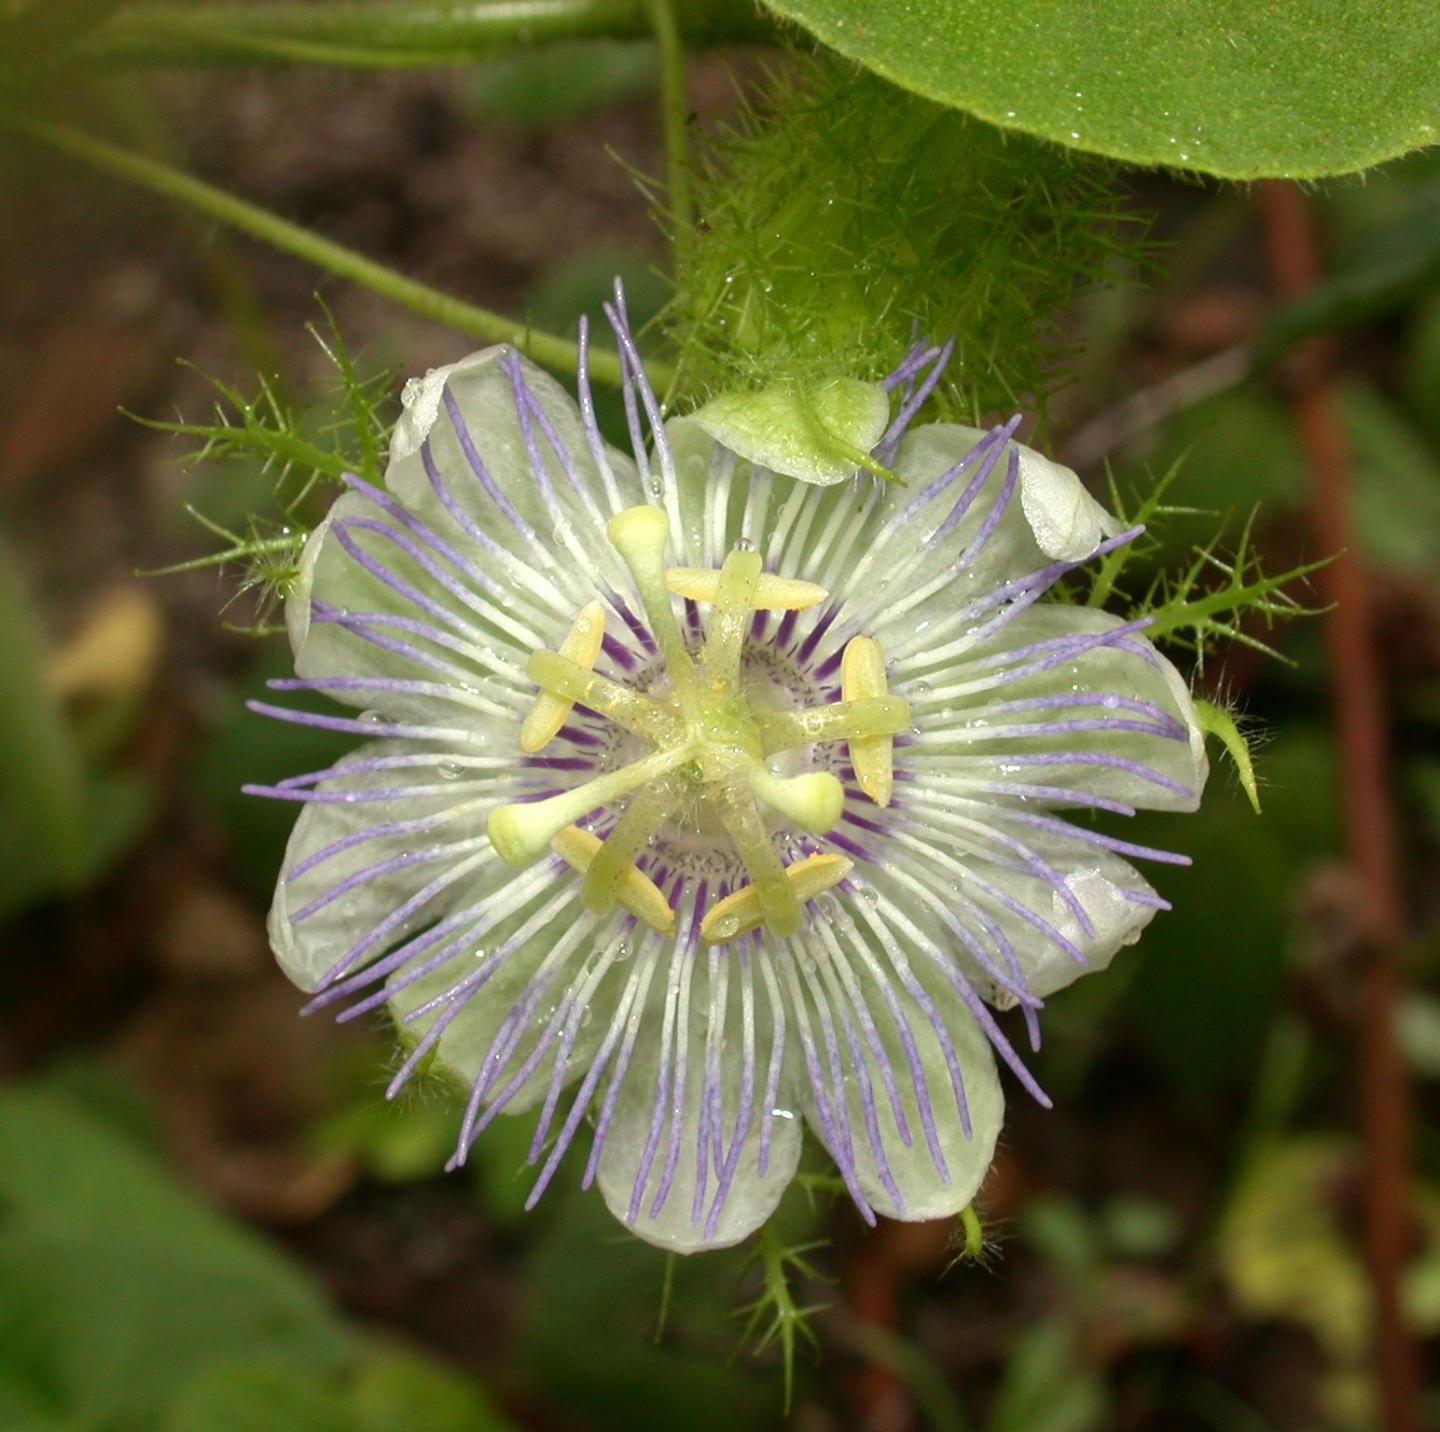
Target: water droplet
657	488
451	770
586	1015
622	953
867	895
373	718
744	544
782	1113
725	927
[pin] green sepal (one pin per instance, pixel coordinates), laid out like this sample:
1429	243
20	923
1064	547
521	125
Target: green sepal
1216	721
817	432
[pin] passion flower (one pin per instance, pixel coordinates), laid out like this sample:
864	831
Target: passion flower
704	804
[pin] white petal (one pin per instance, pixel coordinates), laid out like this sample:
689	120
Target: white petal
1103	885
309	947
534	959
631	1141
395	639
907	1169
548	525
965	710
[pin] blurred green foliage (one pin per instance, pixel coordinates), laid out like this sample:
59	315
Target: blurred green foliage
125	1303
68	806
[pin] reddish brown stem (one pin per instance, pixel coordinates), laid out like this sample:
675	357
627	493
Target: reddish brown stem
1294	256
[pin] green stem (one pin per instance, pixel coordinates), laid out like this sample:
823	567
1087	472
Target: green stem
392	33
674	118
482	323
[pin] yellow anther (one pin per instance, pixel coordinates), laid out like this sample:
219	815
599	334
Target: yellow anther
549	713
862	675
740	913
635	890
772	593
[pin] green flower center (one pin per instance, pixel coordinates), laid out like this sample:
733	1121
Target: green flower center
712	744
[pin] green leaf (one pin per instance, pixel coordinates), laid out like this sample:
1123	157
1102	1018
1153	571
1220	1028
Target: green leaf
1047	1386
1298	89
399	1393
253	1396
117	1288
394	1393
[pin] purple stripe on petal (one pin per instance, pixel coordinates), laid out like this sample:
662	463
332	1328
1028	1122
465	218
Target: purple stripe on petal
1095	758
786	628
950	475
967	498
477	466
357	726
639	984
1109	700
1094	837
826	621
426	534
864	1089
593	440
524	404
913	401
834	1127
851	847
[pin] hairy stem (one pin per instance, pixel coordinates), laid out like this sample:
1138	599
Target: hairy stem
391	33
674	119
547	348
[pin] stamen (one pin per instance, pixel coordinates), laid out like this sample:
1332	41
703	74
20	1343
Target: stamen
779	907
634	889
813	801
772	593
839	721
862	677
734	601
640	534
550	712
567	682
642	818
742	912
522	832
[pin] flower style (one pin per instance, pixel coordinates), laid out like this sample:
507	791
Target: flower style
705	803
